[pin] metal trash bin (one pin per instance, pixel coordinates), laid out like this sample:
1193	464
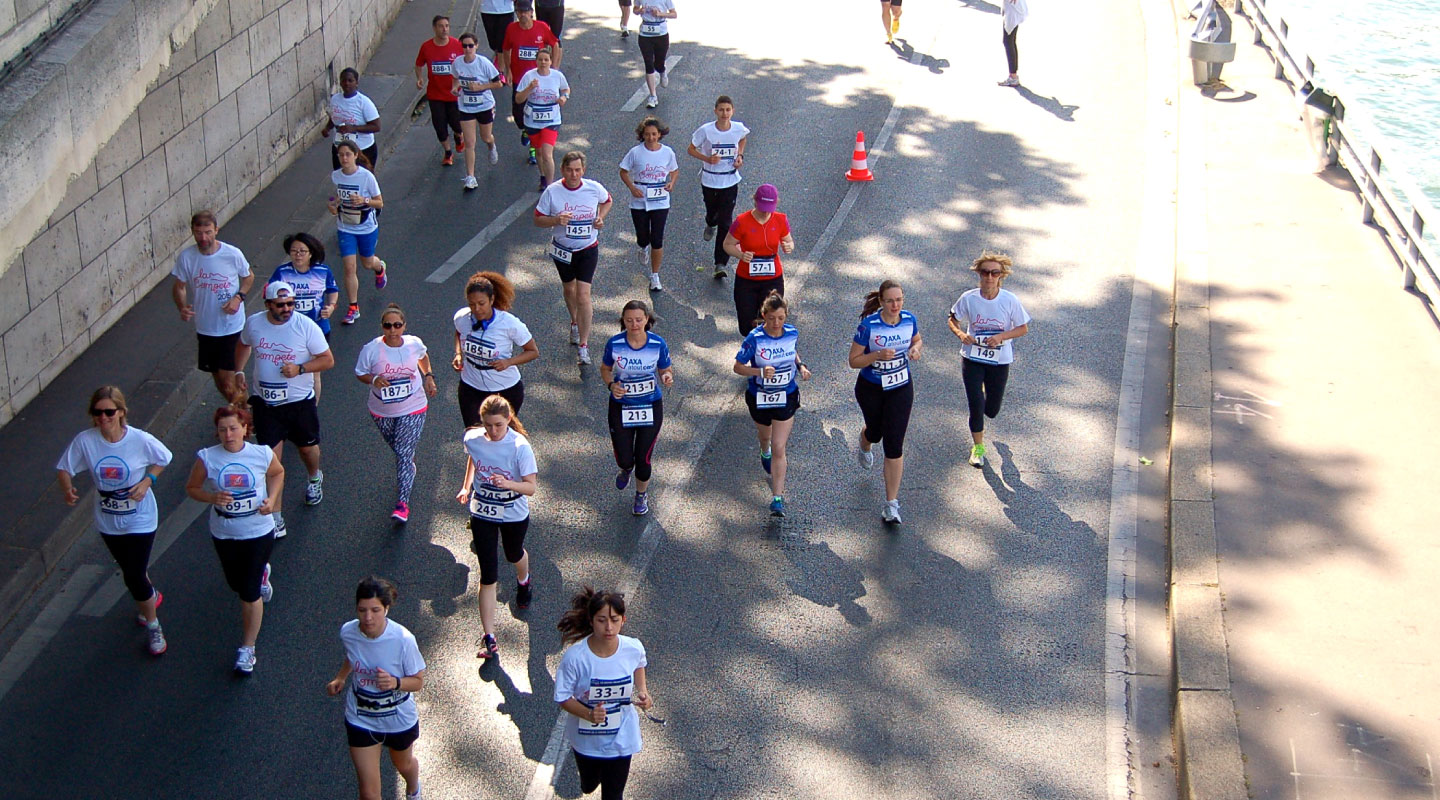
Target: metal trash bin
1210	45
1317	108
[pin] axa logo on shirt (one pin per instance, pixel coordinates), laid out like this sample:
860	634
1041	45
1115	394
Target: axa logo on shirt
888	339
274	351
628	363
775	353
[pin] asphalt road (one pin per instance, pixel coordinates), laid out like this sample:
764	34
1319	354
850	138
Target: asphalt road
819	656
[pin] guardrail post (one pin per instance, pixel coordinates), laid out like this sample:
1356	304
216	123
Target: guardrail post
1417	223
1371	190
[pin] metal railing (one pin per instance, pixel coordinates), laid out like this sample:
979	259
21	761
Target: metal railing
1377	192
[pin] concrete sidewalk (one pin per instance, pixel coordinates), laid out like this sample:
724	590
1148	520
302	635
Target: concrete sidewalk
150	354
1304	446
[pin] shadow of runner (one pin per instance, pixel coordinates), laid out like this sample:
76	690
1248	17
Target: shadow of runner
1051	104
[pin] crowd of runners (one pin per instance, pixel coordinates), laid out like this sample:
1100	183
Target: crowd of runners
286	347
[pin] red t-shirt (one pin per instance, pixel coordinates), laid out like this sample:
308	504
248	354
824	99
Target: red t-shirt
438	57
518	40
762	240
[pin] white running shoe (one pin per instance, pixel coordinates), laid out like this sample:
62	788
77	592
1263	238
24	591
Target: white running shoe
315	489
655	282
584	357
652	101
266	590
245	660
494	154
157	639
665	80
470	182
1010	82
891	512
642	255
415	795
279	525
865	457
574	334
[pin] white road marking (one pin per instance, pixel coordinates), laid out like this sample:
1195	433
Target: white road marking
644	90
175	524
46	625
472	248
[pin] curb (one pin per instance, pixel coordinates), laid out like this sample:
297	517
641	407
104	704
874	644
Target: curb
1206	731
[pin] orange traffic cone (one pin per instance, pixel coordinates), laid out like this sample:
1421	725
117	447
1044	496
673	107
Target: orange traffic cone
859	166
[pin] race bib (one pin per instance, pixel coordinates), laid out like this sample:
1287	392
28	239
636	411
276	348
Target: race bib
471	99
648	28
892	380
637	416
242	504
780	378
614	694
656	193
274	394
578	230
770	399
486	509
985	353
527	53
538	115
397	391
636	388
306	305
118	503
439	68
762	267
560	254
724	151
479	353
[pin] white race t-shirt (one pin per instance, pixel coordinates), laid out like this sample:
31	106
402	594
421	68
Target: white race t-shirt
542	107
582	203
479	71
212	280
650	171
510	458
499	337
400	366
357	110
352	191
294	342
591	679
651	25
982	318
711	141
395	651
116	467
241	474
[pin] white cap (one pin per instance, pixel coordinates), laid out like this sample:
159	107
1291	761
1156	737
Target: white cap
278	289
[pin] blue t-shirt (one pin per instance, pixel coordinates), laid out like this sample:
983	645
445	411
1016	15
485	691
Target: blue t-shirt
310	287
873	334
763	350
637	370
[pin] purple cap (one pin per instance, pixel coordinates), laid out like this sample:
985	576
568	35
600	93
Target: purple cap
766	198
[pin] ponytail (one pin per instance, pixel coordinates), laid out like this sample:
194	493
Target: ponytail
872	300
772	302
497	405
577	623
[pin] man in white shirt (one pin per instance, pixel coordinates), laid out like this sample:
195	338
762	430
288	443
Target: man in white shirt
211	280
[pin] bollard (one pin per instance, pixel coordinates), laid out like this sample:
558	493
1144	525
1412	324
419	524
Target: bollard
1210	45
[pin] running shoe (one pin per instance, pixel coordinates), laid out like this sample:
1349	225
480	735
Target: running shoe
765	460
543	183
977	456
777	507
642	255
1009	81
470	182
894	25
380	278
531	159
574	333
584	357
889	37
891	512
488	648
401	512
655	282
664	80
352	314
709	233
524	139
447	160
459	144
266	590
159	598
642	504
865	457
279	525
622	480
315	490
624	33
245	660
720	273
652	101
157	644
415	795
494	154
522	595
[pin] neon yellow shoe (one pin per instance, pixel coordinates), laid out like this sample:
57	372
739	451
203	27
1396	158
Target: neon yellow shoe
977	456
894	25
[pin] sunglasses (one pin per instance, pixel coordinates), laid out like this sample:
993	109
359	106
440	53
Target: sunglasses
284	303
108	412
389	326
991	272
467	44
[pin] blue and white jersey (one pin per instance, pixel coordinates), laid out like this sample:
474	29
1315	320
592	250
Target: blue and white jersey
352	191
637	370
310	286
873	334
763	350
116	467
242	476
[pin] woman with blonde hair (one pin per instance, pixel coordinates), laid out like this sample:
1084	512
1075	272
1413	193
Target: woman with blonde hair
985	320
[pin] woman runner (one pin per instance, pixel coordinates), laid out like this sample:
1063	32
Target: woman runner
649	171
757	238
356	199
770	360
474	77
885	343
635	367
316	292
396	367
992	317
576	208
487	336
544	91
655	44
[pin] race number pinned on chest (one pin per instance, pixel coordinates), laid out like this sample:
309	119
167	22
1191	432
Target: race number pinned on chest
781	378
989	354
762	267
640	387
274	394
578	230
485	508
439	67
894	372
770	399
726	151
305	305
561	254
242	504
545	114
656	28
527	53
637	416
396	391
614	694
480	352
118	503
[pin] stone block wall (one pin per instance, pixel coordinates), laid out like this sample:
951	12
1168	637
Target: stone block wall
237	93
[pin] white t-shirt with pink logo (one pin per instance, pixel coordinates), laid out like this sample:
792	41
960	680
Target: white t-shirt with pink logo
984	318
400	367
510	458
582	204
211	281
395	651
293	342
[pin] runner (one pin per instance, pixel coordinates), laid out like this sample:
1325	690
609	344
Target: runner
635	366
576	208
992	317
432	73
474	78
890	18
316	292
500	477
769	358
495	17
649	171
289	350
757	238
624	19
126	464
353	116
487	336
600	682
211	280
356	199
552	13
396	367
384	660
1015	12
655	44
523	41
886	341
243	482
720	146
544	91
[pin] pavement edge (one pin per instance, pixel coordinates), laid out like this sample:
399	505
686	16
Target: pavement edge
1206	730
